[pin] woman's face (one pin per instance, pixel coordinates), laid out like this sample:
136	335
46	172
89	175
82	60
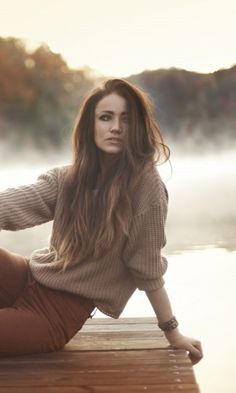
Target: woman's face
111	123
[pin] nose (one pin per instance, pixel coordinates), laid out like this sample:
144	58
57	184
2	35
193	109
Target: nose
116	127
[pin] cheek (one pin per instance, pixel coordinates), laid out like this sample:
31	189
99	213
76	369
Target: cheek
96	129
100	130
98	134
125	131
126	127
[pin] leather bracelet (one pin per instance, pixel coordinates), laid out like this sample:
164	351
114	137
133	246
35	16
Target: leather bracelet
168	325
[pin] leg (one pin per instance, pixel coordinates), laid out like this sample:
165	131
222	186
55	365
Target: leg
41	320
23	332
13	276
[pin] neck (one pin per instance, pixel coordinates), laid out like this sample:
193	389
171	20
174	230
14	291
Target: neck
106	162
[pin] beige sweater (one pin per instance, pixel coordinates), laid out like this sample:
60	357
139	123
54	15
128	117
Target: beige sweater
135	262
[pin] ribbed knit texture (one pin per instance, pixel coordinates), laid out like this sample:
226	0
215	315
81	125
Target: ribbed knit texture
135	262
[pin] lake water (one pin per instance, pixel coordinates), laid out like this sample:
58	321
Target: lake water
201	251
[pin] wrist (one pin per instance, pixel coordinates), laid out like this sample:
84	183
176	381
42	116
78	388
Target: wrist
172	334
170	329
169	325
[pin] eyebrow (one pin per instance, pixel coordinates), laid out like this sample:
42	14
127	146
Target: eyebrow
111	112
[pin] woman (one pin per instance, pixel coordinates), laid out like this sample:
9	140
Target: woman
108	210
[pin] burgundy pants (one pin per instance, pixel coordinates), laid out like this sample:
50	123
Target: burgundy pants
34	318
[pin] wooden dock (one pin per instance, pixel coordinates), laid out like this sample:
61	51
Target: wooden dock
106	356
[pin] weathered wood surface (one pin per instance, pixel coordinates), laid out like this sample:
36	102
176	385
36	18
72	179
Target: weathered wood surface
107	356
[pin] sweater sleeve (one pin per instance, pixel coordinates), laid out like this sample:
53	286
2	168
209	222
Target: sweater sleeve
142	254
29	205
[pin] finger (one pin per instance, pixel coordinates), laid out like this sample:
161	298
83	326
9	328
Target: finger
195	354
197	345
193	359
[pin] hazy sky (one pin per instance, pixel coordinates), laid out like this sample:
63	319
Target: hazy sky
123	37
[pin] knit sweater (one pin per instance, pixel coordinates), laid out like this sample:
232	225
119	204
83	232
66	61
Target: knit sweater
135	262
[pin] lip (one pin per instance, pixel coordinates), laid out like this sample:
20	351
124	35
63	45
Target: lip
114	140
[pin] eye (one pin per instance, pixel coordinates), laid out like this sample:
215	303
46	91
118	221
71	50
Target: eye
105	117
125	118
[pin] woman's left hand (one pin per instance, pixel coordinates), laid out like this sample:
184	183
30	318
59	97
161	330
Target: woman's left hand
193	346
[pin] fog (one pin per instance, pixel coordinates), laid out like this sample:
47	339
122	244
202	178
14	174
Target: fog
202	208
201	188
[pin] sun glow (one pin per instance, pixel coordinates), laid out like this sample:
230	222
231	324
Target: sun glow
130	36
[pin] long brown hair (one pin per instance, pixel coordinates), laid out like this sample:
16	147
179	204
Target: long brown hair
92	222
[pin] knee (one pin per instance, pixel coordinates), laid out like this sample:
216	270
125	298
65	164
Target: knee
8	256
4	254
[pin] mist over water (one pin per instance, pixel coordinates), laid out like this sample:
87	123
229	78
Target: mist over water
201	250
201	188
202	208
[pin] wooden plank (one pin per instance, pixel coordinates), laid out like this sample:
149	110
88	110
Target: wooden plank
116	341
126	333
187	388
89	327
86	359
107	368
102	379
106	356
121	321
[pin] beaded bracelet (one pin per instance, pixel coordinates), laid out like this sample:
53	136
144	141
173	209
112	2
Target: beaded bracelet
168	325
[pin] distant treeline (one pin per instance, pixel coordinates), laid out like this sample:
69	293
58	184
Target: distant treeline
191	106
39	94
40	97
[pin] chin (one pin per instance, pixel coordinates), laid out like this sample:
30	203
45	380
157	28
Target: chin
112	151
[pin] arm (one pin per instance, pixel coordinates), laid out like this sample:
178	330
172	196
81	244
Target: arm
162	308
29	205
147	266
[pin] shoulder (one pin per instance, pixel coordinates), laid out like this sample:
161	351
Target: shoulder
150	191
55	176
55	173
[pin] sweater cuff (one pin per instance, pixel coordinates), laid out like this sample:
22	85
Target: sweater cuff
149	285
